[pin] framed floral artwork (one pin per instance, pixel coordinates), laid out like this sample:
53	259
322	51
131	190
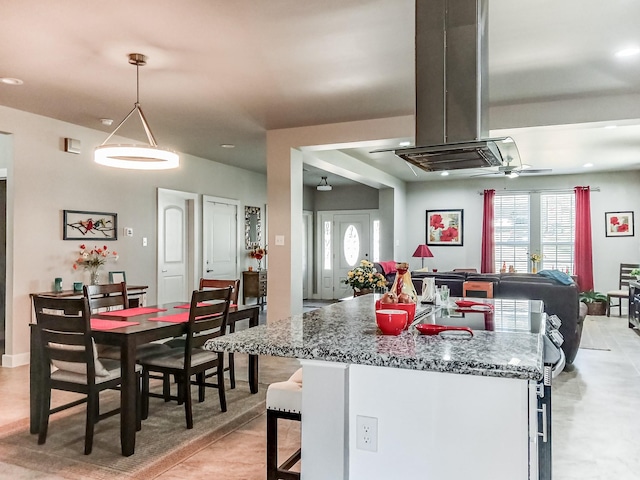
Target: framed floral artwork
618	224
444	227
79	225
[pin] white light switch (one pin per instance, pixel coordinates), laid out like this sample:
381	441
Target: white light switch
279	239
144	241
128	232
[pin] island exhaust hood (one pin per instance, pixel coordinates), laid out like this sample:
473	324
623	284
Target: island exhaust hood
452	89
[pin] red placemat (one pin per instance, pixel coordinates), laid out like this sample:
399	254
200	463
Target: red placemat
132	312
100	324
175	318
201	304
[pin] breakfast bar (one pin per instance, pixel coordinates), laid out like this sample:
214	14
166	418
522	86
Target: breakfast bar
427	402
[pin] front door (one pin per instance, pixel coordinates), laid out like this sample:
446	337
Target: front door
352	244
175	245
220	238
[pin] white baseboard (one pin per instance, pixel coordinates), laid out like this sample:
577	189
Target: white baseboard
18	360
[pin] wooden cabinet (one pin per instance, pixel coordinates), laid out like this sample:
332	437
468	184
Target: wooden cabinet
634	304
254	284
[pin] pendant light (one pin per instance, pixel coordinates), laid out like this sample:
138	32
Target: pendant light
137	157
324	186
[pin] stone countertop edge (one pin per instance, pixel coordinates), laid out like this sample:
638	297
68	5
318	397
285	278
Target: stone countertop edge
346	332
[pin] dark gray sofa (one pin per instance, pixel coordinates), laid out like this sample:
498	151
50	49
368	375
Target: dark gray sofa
561	300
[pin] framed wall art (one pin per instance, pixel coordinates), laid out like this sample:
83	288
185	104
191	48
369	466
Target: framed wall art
618	224
80	225
252	227
444	227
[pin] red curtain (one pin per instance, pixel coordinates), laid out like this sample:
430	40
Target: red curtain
487	263
583	249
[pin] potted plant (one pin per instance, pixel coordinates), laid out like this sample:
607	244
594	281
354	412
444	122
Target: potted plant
636	273
596	302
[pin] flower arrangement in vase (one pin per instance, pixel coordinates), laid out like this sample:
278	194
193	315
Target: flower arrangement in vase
258	253
93	260
535	260
365	277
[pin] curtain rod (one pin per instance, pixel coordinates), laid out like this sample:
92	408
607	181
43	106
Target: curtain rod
539	190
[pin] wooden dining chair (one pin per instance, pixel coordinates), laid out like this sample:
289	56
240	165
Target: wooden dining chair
622	292
106	297
207	284
64	331
109	297
208	315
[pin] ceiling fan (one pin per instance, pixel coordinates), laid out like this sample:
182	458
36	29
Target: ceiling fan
513	171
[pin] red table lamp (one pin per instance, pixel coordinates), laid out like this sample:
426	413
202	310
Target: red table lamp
422	251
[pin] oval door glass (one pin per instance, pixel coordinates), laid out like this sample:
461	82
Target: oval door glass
351	245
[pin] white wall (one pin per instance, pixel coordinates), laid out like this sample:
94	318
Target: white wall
285	158
43	180
618	192
356	197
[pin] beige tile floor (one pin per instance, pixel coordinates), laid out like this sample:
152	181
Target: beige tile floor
596	421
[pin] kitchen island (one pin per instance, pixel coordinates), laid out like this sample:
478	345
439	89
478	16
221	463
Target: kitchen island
441	407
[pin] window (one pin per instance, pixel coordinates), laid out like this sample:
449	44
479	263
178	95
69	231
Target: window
376	240
557	231
527	223
327	261
351	245
511	225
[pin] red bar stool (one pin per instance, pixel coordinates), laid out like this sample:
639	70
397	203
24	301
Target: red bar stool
284	400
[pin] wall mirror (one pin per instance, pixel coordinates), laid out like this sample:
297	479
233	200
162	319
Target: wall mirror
252	227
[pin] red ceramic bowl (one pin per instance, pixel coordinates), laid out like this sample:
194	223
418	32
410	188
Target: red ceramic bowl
391	321
410	308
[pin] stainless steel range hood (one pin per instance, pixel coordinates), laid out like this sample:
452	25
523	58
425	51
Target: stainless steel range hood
452	89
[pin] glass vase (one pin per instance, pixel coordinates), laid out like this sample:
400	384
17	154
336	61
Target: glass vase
95	277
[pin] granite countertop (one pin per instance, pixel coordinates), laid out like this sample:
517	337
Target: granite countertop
346	332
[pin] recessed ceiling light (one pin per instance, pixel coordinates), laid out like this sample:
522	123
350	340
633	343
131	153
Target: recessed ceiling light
588	165
106	121
609	127
628	52
445	174
404	144
11	81
525	166
227	145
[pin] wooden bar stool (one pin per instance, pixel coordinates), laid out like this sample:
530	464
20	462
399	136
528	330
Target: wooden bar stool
284	400
477	289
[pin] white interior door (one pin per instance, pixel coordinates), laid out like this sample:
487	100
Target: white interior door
351	242
175	245
220	238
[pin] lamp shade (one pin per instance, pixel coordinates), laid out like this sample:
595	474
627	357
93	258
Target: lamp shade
422	252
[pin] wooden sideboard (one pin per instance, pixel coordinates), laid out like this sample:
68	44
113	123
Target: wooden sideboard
254	285
137	295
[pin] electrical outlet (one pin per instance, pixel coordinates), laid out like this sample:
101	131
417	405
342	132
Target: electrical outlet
367	433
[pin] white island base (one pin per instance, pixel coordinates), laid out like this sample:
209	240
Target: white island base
430	425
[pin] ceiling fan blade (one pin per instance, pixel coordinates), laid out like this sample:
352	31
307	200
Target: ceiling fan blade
490	174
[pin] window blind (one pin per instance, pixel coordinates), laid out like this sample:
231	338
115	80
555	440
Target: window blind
557	223
512	231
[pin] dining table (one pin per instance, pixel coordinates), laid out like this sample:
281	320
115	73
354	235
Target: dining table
139	325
